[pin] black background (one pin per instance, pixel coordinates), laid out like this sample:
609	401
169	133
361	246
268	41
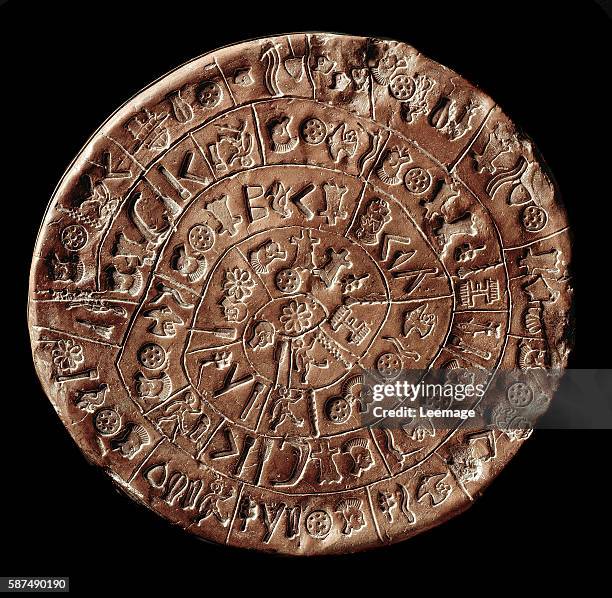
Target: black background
66	68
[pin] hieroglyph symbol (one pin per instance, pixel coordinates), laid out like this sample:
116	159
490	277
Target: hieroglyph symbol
164	321
177	489
358	330
352	513
233	147
333	203
97	208
220	209
391	165
209	94
420	321
181	110
90	400
389	501
452	118
501	139
487	290
372	221
304	255
148	130
336	260
303	361
261	257
151	233
280	410
473	328
283	141
270	57
71	270
237	288
183	416
130	440
433	487
279	199
342	142
153	391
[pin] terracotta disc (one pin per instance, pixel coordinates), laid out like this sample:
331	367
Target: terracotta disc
247	236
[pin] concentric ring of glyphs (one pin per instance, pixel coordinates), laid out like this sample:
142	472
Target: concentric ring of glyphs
240	242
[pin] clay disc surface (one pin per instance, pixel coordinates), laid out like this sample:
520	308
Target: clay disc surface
242	240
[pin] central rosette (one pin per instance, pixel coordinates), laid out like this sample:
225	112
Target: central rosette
297	316
285	325
299	308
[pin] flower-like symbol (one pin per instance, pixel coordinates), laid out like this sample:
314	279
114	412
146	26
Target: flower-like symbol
295	317
238	284
74	237
67	355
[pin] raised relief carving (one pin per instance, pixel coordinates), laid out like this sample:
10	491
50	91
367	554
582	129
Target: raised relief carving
283	140
361	457
271	59
417	180
184	416
263	256
98	206
342	143
419	321
190	495
243	77
164	321
396	501
233	147
358	330
237	288
318	524
209	94
69	271
473	293
241	274
190	260
501	139
351	510
210	503
392	164
74	237
152	356
433	489
313	131
66	356
154	390
90	400
220	209
131	440
148	130
372	220
181	110
452	118
333	203
106	421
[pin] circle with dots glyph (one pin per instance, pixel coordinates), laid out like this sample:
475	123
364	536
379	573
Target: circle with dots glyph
241	242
